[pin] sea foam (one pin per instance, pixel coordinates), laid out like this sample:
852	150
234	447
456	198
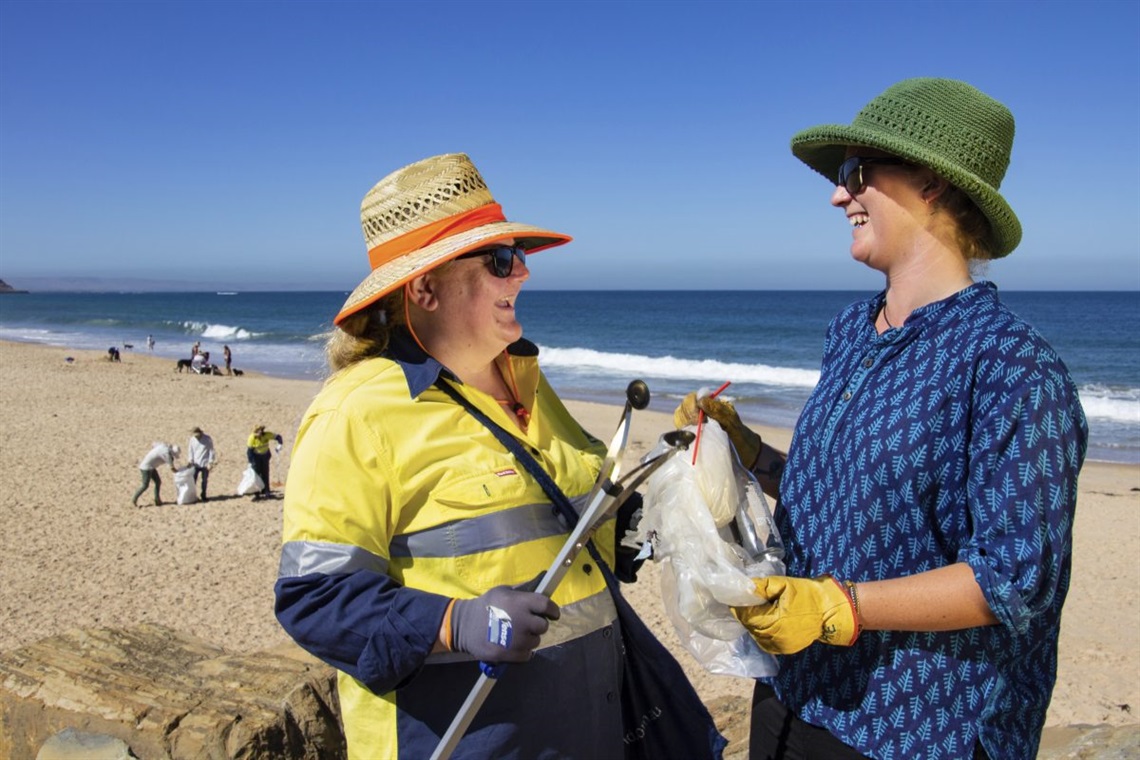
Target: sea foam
669	367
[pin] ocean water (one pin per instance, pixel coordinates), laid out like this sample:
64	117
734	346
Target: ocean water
767	343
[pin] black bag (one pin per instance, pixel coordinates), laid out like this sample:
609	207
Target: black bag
662	713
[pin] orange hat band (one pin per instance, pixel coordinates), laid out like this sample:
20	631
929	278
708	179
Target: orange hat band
424	236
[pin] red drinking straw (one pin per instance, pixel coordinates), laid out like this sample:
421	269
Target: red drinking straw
701	419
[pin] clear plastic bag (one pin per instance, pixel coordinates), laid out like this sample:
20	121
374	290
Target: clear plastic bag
710	527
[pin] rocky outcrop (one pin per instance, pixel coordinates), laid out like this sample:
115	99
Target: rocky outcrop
164	695
6	288
1090	743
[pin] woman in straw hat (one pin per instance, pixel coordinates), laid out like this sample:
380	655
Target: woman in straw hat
928	496
407	521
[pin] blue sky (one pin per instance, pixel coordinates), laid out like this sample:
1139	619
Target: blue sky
228	144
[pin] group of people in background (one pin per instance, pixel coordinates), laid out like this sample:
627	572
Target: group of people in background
203	456
200	361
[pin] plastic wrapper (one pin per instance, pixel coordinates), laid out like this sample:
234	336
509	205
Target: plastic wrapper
710	527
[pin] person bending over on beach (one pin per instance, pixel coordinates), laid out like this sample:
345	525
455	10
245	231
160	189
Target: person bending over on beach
406	520
927	499
161	453
202	456
257	454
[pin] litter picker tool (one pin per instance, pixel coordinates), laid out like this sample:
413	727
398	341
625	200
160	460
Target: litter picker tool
609	493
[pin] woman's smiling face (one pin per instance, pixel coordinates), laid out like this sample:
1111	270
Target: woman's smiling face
477	305
884	213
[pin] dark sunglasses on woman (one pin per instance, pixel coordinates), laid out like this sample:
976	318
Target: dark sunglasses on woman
851	171
502	258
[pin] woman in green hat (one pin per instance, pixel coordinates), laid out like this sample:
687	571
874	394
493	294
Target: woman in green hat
928	496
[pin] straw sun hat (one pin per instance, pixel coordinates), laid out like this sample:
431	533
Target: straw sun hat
425	214
956	130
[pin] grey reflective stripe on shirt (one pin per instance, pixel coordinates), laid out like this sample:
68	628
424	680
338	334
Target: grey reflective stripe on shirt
497	530
305	557
581	617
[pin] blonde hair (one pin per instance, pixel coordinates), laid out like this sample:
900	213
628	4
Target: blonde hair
973	231
366	333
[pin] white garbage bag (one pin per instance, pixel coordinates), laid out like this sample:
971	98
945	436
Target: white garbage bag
250	482
184	486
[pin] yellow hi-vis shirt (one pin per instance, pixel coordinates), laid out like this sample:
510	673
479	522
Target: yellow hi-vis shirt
260	443
418	490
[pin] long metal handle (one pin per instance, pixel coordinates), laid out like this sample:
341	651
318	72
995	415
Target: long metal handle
610	497
637	397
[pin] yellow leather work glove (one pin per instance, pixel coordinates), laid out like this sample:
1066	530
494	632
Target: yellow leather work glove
798	612
744	440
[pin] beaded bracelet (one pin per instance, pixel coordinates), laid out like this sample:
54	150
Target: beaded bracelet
854	594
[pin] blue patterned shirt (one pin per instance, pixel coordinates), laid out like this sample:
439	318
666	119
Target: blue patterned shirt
954	438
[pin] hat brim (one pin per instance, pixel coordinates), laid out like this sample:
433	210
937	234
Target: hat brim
824	148
387	277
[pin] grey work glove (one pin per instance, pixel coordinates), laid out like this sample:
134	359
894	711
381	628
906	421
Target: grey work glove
503	625
745	440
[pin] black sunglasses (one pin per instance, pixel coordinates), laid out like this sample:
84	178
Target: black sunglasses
851	171
502	258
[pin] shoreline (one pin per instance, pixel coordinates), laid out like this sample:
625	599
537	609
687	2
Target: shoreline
78	555
569	397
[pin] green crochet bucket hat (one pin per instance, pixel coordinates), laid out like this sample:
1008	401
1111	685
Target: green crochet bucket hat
956	130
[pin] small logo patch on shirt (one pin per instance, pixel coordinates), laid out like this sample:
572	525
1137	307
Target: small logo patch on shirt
506	473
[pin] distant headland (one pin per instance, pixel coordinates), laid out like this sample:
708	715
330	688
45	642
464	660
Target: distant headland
6	288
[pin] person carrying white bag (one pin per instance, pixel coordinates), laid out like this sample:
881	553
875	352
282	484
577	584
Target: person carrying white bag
257	453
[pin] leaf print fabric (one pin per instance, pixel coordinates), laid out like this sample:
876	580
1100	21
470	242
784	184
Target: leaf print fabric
957	437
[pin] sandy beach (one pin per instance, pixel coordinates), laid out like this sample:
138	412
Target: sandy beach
77	554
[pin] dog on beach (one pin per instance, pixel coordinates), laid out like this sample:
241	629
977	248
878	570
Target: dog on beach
183	364
238	372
